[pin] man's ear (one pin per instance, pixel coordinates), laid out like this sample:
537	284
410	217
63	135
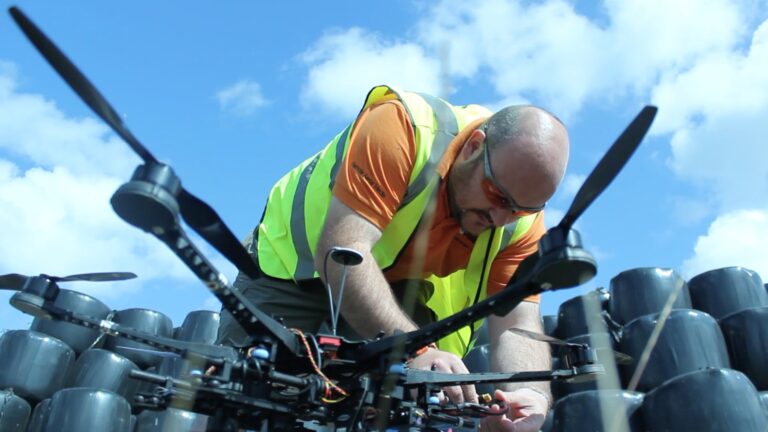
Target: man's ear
473	144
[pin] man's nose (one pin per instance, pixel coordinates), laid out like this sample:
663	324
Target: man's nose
498	217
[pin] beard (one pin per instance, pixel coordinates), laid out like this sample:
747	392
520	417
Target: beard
458	175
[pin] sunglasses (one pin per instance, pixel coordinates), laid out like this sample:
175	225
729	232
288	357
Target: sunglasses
496	194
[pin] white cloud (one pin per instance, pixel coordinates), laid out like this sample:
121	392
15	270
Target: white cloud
552	216
345	65
718	115
242	98
648	38
727	155
66	225
688	55
723	83
689	211
571	184
544	51
734	239
549	50
35	129
701	62
56	215
716	111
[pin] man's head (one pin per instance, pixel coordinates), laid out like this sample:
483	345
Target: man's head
508	167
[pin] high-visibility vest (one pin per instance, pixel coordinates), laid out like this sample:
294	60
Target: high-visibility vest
298	204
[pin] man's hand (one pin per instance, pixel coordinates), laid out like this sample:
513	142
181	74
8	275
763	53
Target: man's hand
510	352
526	412
442	361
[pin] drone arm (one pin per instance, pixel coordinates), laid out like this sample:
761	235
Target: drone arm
418	377
206	222
213	354
248	316
505	300
209	397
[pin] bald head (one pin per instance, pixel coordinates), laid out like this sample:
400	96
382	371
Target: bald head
529	149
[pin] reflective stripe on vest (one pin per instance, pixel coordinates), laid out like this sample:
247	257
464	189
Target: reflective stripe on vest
286	251
298	205
459	290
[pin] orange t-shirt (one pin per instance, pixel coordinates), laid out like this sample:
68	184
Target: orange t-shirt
373	180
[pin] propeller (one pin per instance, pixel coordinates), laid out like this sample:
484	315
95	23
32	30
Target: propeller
15	281
561	262
621	358
154	197
542	337
79	83
35	291
12	281
610	165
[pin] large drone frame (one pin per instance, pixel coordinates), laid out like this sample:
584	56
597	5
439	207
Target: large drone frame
240	389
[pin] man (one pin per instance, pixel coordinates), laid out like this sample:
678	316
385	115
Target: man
425	191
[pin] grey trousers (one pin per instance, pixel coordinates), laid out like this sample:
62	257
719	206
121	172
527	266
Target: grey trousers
305	306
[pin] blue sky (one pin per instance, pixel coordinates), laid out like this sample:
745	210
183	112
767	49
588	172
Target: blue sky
234	95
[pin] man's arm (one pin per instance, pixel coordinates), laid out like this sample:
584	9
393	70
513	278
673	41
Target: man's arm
514	353
369	305
528	401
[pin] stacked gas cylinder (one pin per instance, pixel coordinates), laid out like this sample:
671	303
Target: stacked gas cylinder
58	376
699	352
698	364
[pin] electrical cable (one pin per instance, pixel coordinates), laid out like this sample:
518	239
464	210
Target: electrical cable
330	292
341	296
328	384
318	354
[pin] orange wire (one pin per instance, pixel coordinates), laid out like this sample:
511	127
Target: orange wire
328	382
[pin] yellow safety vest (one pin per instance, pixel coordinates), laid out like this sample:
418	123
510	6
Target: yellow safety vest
299	201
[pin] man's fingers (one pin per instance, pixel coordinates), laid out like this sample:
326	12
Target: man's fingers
496	423
520	416
468	390
441	361
470	394
454	393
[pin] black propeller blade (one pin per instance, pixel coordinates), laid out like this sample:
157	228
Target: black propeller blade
621	358
94	277
561	262
540	337
196	213
79	83
206	222
15	281
610	165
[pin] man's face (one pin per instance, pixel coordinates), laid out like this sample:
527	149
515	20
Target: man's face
481	199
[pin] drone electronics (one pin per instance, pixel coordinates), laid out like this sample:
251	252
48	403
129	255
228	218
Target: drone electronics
287	379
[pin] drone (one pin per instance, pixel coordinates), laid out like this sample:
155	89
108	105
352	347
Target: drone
287	379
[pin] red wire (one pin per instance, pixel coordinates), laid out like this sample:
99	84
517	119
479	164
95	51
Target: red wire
328	383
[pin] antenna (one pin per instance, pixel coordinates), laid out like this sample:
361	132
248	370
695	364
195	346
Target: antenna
345	257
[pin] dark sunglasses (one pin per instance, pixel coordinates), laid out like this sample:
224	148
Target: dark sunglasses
496	194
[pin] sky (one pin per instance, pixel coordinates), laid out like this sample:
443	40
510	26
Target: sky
234	94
